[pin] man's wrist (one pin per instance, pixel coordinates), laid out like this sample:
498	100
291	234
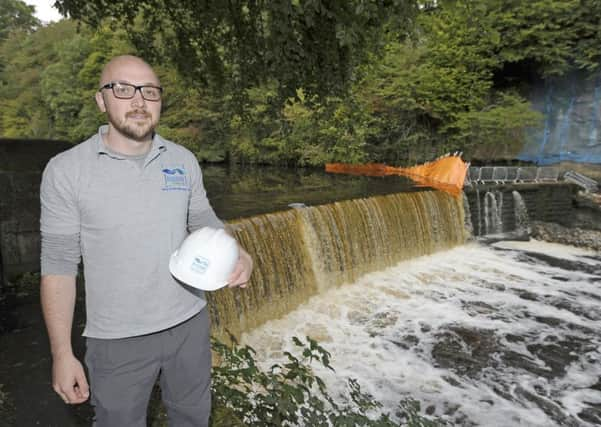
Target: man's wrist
62	353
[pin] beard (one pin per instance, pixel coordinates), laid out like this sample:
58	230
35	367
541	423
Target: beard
138	129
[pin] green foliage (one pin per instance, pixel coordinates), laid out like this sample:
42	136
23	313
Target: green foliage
50	77
400	124
290	394
24	57
438	93
254	132
193	117
308	132
499	129
318	132
16	15
61	89
551	37
314	44
303	83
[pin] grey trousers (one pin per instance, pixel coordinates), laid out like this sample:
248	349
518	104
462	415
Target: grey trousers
122	373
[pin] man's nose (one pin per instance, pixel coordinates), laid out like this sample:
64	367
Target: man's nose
138	99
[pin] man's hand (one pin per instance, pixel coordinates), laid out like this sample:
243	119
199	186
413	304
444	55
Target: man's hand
57	294
242	270
69	379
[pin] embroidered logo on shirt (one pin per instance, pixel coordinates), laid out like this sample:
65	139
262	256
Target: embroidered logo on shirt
175	179
200	265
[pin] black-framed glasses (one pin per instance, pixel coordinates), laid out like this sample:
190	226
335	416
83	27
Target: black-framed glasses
128	91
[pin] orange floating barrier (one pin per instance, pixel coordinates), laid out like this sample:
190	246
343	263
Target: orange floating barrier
447	173
368	169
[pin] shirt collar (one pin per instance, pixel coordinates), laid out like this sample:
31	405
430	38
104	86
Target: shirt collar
158	145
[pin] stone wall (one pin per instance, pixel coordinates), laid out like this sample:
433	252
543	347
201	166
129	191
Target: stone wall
21	166
548	202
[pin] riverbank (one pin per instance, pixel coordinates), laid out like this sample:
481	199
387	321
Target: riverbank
580	237
582	229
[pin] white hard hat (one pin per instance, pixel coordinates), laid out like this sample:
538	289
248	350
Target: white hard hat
205	259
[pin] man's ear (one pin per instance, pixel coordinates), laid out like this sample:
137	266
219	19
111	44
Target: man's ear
100	101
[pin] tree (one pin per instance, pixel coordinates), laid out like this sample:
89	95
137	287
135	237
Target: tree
25	57
50	78
237	44
550	37
16	15
303	82
496	131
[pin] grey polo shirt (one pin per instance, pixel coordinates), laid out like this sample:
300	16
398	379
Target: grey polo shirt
128	221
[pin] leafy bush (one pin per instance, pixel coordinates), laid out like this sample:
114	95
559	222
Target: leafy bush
290	394
498	130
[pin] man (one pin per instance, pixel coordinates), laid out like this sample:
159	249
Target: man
114	201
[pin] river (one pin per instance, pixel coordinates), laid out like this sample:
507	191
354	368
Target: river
489	335
237	192
504	334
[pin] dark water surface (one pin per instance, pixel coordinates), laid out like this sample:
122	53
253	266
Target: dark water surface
237	192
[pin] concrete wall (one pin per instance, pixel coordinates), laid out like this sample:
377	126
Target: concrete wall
21	166
549	202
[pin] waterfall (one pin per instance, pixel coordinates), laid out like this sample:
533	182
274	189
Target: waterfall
469	227
479	212
493	212
302	252
522	222
496	212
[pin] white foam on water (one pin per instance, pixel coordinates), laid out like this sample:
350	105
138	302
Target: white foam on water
522	336
553	249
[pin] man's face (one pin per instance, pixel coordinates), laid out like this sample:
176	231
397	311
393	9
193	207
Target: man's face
134	118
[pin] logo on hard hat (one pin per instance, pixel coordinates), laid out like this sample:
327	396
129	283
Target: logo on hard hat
200	265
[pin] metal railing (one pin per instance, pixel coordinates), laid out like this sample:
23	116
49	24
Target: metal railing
511	174
583	181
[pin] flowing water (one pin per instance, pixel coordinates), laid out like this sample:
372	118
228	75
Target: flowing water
490	335
302	252
481	334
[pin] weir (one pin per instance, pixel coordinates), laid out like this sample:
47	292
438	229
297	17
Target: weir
302	252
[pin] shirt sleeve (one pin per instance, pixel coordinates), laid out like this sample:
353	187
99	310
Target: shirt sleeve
59	221
58	200
60	254
200	212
